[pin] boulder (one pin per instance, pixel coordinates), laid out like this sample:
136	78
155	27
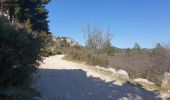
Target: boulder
112	70
143	81
166	80
122	74
98	67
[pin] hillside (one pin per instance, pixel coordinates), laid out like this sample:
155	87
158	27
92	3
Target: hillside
65	41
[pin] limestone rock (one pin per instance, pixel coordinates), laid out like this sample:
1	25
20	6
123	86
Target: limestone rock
112	70
143	80
107	69
122	74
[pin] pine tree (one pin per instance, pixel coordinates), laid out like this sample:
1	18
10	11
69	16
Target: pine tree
32	10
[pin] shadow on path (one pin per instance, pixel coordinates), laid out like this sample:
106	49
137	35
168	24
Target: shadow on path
54	84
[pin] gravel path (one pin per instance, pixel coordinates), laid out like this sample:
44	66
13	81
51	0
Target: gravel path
65	80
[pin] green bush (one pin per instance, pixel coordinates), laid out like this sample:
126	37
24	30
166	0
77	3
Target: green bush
19	55
47	52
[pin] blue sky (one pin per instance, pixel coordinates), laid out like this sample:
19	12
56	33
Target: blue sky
144	21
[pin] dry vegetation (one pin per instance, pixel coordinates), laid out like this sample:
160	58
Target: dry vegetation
144	63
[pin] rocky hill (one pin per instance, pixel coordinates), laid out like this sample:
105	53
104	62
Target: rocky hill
65	41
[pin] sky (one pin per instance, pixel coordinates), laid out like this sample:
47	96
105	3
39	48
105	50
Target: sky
143	21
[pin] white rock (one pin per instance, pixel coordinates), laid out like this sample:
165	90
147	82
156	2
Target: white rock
101	68
118	83
143	80
122	74
107	69
98	67
112	70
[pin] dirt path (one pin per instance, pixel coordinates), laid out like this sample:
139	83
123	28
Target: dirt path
65	80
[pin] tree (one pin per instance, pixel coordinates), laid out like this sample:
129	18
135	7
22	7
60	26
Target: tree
33	10
137	48
96	39
158	45
19	55
8	6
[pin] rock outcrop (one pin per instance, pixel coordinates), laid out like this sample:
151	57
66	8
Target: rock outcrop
65	41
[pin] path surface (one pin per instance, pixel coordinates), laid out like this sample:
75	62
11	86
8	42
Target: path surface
65	80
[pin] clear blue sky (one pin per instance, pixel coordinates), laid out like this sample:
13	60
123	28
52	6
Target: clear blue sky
144	21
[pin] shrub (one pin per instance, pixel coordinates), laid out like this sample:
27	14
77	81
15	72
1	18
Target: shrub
47	51
97	59
89	57
149	64
161	63
97	47
135	65
19	55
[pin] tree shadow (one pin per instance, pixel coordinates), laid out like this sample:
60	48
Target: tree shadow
75	85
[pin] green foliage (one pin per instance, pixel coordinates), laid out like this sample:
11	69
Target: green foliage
85	55
111	50
19	55
137	48
47	51
28	25
32	10
100	60
20	49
